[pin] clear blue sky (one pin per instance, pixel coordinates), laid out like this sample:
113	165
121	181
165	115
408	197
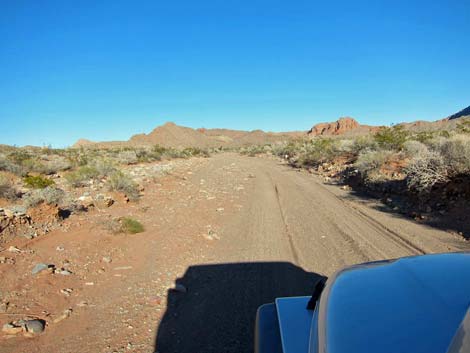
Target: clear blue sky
104	70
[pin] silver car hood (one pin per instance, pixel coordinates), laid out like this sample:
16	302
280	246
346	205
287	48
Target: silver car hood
413	304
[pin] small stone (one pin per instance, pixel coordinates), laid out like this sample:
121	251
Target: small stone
35	326
107	259
64	272
66	291
40	268
220	209
8	213
4	307
14	249
65	314
7	260
89	283
11	329
60	248
82	304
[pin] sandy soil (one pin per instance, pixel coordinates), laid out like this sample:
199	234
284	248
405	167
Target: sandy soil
233	232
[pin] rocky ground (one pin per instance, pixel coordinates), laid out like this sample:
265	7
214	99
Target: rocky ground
222	236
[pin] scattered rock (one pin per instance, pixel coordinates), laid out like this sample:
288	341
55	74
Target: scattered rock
7	260
211	235
104	200
66	291
14	249
41	267
86	201
35	326
12	329
65	314
4	307
63	272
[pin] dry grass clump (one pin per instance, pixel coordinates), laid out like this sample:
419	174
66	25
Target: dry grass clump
7	190
49	195
127	225
82	176
118	181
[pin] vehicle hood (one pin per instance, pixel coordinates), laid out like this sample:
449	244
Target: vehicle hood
413	304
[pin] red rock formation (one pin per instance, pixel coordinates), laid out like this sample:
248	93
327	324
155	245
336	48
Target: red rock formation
339	127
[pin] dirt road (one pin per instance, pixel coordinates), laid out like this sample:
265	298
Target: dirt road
234	232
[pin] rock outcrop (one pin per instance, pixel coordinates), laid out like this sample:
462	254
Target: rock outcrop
340	127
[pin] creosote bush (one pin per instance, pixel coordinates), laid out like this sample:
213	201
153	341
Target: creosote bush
37	181
392	137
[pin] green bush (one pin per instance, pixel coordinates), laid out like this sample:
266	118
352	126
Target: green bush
82	176
318	151
131	226
37	181
392	138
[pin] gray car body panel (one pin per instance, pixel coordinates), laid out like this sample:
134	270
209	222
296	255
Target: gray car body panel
414	304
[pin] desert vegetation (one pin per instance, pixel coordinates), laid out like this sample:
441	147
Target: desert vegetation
430	167
72	180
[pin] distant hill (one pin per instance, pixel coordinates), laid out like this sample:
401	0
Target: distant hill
172	135
463	113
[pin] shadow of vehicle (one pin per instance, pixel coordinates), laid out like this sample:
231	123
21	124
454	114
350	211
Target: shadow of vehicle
217	313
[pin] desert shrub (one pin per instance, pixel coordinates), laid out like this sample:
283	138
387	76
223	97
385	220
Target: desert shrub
369	163
82	175
55	165
131	226
37	181
104	167
425	169
456	153
124	225
252	151
49	195
413	148
424	136
196	152
287	149
118	181
127	157
77	157
7	191
174	153
464	126
391	137
318	151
